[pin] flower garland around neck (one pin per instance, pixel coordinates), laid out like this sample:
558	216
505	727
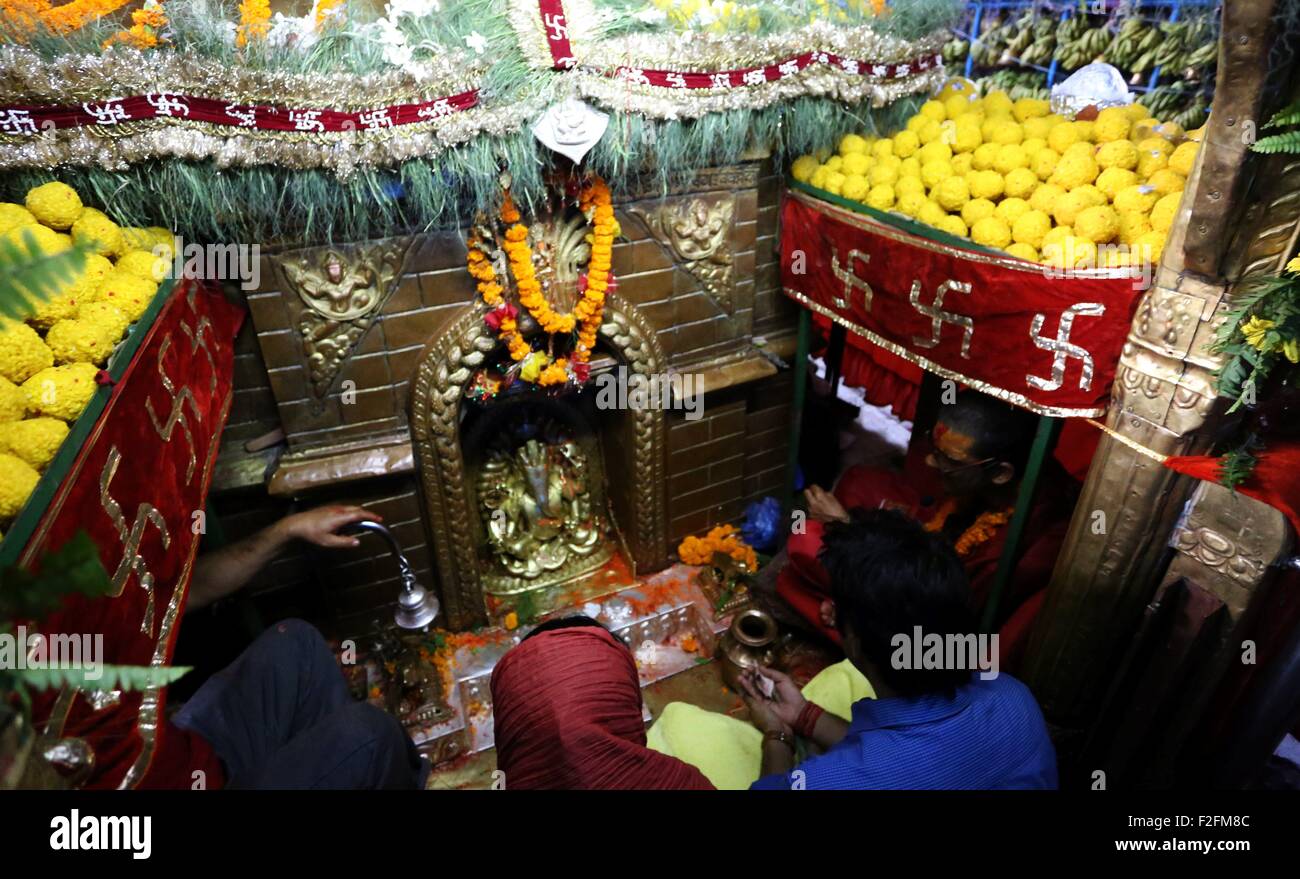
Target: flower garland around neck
981	531
502	317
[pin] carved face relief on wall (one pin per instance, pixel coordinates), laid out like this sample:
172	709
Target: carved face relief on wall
697	232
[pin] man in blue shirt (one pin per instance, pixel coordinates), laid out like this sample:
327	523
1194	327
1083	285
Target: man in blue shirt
936	724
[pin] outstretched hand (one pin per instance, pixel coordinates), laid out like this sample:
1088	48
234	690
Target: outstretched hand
779	712
321	525
824	506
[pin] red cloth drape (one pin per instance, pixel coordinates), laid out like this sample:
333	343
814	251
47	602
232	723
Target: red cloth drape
567	715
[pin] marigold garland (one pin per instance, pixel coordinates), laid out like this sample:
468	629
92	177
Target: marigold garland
254	21
980	531
723	539
145	27
75	15
594	200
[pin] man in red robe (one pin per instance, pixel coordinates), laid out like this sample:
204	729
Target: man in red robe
966	489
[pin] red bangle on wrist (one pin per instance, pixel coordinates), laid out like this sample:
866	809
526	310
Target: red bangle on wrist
806	722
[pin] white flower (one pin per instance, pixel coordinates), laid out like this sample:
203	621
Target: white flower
287	30
477	42
412	8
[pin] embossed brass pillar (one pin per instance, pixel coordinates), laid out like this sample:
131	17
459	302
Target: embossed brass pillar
1163	396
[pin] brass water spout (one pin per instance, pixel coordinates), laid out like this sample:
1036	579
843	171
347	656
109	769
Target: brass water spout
417	607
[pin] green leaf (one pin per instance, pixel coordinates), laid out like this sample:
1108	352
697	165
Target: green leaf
72	568
103	677
28	274
1287	142
1289	115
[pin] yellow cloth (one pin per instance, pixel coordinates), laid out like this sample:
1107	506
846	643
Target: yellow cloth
729	751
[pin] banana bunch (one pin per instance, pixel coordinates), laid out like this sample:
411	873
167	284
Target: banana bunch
1136	45
1084	48
955	50
1017	83
1178	102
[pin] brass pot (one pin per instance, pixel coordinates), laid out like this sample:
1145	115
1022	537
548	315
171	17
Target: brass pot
751	641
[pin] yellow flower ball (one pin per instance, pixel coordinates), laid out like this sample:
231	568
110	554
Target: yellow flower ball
97	232
1070	252
1117	154
1030	228
17	481
1020	183
934	151
61	391
34	440
1150	162
931	213
1138	199
1023	251
104	314
1010	157
910	203
1112	127
909	184
1167	180
1171	131
801	169
963	163
986	184
1075	170
1132	225
1056	235
1032	145
998	102
906	143
883	175
835	182
1162	215
1143	128
54	204
1197	134
852	143
883	147
1112	180
909	167
22	352
1008	133
1068	207
933	109
991	232
1038	127
132	294
818	179
976	209
1159	144
881	197
928	130
932	173
990	124
834	164
1136	112
77	341
984	157
164	239
1044	163
1045	197
957	104
952	194
962	135
1093	195
13	402
46	240
1085	130
953	225
1099	225
855	187
855	163
1184	157
1011	209
1113	256
1029	108
1062	137
14	215
1148	247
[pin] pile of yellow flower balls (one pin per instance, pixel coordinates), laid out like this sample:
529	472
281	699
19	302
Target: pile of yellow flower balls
1014	176
49	363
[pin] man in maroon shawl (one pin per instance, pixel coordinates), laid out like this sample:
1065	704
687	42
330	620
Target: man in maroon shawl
965	489
567	712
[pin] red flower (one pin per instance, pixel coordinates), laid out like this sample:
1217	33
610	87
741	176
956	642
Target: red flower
502	312
581	370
